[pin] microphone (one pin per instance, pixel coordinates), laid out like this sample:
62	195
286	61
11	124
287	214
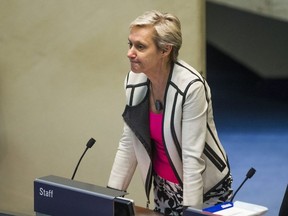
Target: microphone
249	175
89	144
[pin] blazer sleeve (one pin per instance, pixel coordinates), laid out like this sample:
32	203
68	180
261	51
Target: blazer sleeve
124	163
193	142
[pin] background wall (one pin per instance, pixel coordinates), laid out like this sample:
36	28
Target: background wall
62	66
269	8
252	32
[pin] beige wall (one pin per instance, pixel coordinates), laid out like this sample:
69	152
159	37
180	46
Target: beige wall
62	65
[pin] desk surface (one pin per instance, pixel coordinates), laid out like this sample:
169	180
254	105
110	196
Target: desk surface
145	212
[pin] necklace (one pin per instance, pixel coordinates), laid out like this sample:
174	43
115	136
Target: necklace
157	103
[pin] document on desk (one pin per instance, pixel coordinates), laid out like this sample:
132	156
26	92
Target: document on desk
235	212
243	209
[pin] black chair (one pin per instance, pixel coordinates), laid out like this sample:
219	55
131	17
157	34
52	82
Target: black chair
284	206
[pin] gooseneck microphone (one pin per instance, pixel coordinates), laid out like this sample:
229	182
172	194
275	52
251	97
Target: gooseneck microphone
249	175
89	144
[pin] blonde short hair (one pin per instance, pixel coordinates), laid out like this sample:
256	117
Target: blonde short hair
167	30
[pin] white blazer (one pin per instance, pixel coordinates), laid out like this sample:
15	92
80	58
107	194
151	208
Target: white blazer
189	134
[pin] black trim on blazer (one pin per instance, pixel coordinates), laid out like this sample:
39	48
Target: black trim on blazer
188	86
148	182
138	85
200	78
176	141
190	70
176	87
215	140
172	126
214	158
133	87
131	97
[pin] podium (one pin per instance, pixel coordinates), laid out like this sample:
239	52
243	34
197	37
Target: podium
55	196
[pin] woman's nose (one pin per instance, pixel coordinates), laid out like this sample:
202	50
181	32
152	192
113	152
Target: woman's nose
131	53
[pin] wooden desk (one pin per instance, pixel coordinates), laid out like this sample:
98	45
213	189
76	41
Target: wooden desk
140	211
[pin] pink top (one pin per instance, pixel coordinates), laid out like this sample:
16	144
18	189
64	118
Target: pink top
161	163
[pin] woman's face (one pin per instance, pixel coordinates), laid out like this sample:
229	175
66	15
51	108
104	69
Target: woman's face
143	54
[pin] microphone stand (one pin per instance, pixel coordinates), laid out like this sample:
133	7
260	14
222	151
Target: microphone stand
249	175
88	145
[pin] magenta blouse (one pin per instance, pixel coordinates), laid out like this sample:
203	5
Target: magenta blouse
161	163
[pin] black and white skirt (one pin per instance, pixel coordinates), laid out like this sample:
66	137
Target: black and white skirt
168	196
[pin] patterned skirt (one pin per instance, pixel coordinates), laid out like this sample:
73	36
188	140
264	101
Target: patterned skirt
168	196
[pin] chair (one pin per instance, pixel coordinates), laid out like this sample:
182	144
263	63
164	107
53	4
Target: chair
284	206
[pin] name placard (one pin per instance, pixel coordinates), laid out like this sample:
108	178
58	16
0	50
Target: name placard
55	196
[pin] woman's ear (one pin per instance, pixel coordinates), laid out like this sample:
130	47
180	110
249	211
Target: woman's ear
167	50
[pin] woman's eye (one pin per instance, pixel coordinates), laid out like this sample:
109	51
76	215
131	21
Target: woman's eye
129	44
137	46
140	47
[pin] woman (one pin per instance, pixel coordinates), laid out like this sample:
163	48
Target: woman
169	131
